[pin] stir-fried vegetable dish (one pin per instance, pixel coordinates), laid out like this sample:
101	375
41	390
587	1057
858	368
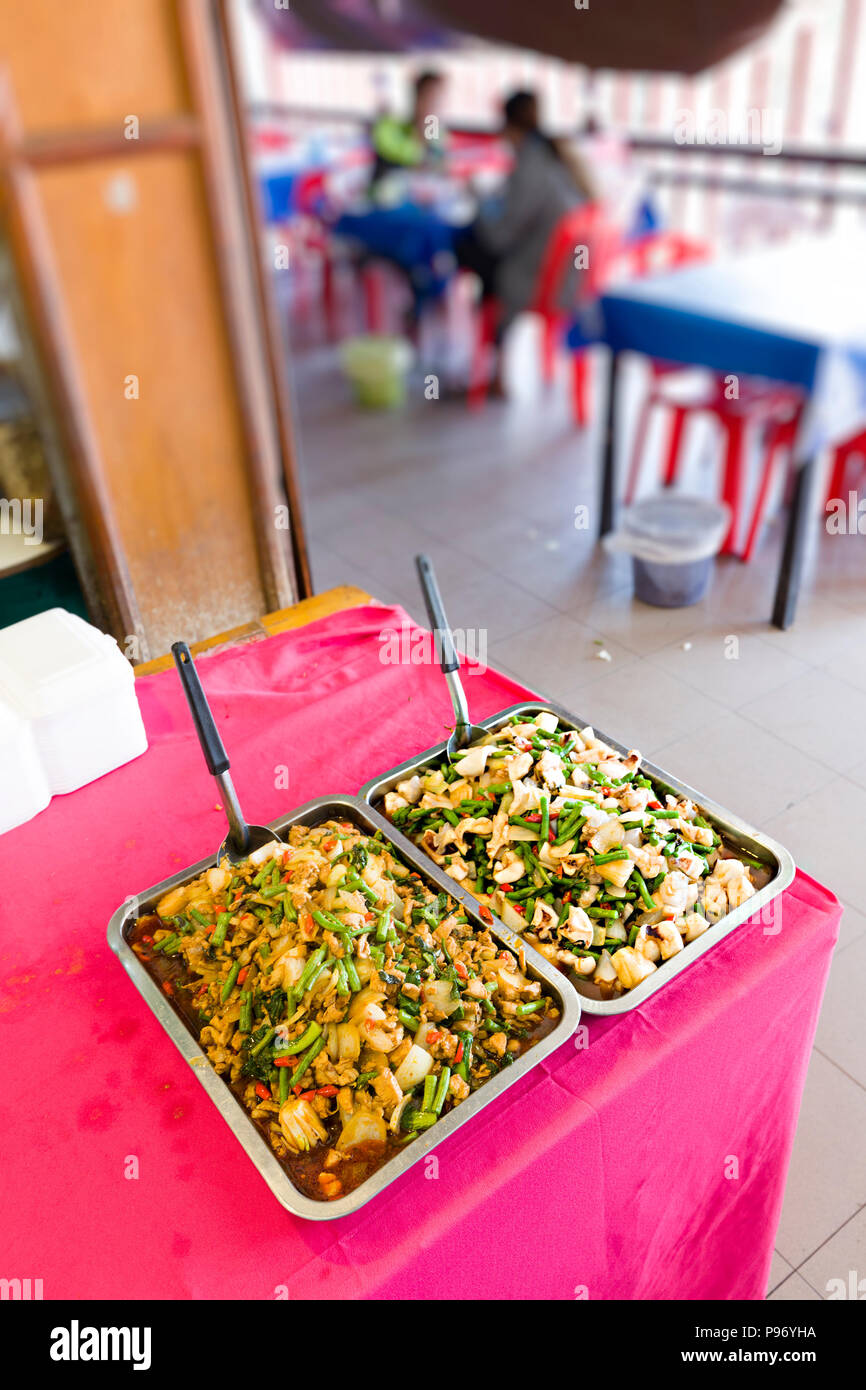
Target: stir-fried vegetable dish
567	842
347	1004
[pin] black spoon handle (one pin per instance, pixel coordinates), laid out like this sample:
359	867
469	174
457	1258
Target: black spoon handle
208	734
448	660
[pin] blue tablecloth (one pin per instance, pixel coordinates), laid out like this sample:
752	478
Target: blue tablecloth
795	313
417	239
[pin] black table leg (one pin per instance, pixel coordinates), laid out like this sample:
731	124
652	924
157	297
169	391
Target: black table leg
794	548
608	457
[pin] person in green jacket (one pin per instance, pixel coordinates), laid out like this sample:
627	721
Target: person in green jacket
409	144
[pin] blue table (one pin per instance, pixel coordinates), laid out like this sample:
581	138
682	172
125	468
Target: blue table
418	240
795	313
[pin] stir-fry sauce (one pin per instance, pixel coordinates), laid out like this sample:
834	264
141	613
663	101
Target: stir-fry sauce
568	843
347	1004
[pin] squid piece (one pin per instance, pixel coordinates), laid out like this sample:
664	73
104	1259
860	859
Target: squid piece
631	967
672	895
473	763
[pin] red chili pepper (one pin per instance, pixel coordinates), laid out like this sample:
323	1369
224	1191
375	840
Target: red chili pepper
484	913
369	916
326	1091
148	939
307	1095
654	805
433	1036
458	1055
551	835
566	897
297	1089
328	845
534	816
284	1061
262	1091
209	931
168	987
242	974
518	907
461	969
286	878
203	990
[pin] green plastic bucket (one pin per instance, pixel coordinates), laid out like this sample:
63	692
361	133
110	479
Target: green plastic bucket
378	368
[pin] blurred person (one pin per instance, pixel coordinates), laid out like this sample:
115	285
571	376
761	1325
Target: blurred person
505	245
412	143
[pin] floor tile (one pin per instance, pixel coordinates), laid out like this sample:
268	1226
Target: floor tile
794	1290
779	1271
841	1032
824	832
820	715
826	1181
822	630
838	1269
852	926
743	767
561	657
732	667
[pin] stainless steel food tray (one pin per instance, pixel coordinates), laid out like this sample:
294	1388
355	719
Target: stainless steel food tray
236	1117
741	834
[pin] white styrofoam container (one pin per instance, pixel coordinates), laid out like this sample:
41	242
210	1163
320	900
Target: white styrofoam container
77	691
24	789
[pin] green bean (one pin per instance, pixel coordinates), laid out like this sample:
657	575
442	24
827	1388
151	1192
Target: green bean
200	917
231	981
524	1009
262	1042
440	1092
462	1068
356	884
219	935
245	1022
311	1032
544	802
352	974
643	890
284	1084
429	1092
612	856
308	1057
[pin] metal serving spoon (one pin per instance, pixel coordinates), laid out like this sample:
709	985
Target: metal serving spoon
242	838
464	731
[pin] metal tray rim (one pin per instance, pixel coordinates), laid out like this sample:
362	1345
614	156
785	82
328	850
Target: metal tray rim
720	814
232	1111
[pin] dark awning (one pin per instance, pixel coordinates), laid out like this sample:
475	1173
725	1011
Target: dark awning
638	35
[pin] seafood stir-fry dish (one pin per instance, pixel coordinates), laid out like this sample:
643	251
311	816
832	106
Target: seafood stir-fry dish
347	1003
568	843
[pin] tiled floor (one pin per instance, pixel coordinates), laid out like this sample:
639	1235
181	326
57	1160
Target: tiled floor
713	691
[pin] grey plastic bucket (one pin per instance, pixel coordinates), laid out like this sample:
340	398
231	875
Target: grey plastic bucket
673	540
671	586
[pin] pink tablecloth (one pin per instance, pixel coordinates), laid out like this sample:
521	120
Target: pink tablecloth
647	1159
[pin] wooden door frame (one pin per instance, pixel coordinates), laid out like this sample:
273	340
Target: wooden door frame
213	130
